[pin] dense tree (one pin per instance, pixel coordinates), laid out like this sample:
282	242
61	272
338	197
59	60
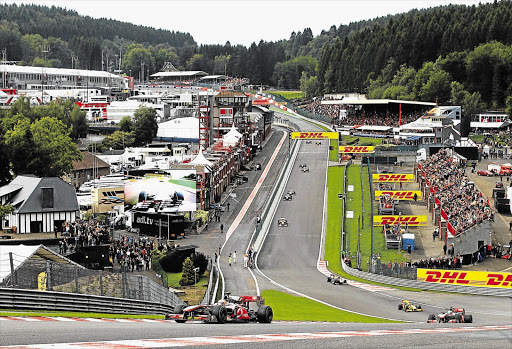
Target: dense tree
118	140
126	124
188	273
145	126
136	58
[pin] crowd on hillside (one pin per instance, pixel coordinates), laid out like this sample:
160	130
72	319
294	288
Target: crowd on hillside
462	202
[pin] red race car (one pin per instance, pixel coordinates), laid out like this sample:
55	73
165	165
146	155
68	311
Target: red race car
452	315
230	309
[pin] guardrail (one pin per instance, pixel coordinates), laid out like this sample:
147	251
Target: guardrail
13	298
482	291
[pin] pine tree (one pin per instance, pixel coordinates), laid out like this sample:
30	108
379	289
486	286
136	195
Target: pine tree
187	278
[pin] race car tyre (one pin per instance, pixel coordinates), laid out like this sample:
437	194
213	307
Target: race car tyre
458	317
468	318
431	317
179	308
419	307
265	314
220	313
400	306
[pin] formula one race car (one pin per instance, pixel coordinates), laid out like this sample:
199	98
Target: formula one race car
287	197
282	222
230	309
452	315
290	192
407	306
305	169
303	165
336	280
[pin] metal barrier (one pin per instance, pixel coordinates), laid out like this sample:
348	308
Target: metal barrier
12	298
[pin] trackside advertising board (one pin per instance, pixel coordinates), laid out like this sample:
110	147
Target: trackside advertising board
399	194
357	149
467	278
412	221
315	135
388	177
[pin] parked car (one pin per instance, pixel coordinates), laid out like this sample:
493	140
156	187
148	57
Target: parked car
484	173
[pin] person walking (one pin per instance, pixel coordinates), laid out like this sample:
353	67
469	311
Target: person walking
228	206
246	259
222	228
230	259
234	257
510	226
444	249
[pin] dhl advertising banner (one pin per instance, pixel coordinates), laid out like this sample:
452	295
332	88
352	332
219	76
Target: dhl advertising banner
388	177
412	221
398	194
314	135
467	278
356	149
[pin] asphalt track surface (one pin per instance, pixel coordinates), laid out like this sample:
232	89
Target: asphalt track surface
289	258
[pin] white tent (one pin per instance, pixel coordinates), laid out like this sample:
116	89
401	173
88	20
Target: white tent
232	137
201	160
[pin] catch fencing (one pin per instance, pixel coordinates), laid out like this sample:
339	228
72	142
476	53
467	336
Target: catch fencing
68	278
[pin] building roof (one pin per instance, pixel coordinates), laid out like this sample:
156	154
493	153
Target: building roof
210	77
55	71
171	74
89	161
354	101
27	194
22	253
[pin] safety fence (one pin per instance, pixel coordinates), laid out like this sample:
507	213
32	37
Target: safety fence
68	278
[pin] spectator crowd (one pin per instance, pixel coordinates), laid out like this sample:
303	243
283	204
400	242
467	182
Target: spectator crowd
462	202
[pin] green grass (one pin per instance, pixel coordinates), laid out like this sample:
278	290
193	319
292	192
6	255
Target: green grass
288	94
76	314
362	141
294	308
333	154
184	182
332	252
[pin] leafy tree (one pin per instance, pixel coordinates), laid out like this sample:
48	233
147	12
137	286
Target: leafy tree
79	123
508	104
437	87
199	260
5	210
309	85
43	148
134	58
126	124
145	126
118	140
188	276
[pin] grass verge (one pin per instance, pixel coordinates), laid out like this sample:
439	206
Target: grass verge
193	293
295	308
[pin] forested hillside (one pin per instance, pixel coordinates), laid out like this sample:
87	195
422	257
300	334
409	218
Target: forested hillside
422	54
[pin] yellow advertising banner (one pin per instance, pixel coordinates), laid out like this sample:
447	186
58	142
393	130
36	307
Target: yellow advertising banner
412	221
357	149
398	194
41	281
315	135
390	177
467	278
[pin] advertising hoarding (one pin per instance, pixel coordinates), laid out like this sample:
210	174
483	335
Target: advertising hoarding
388	177
467	278
399	194
315	135
412	221
366	149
